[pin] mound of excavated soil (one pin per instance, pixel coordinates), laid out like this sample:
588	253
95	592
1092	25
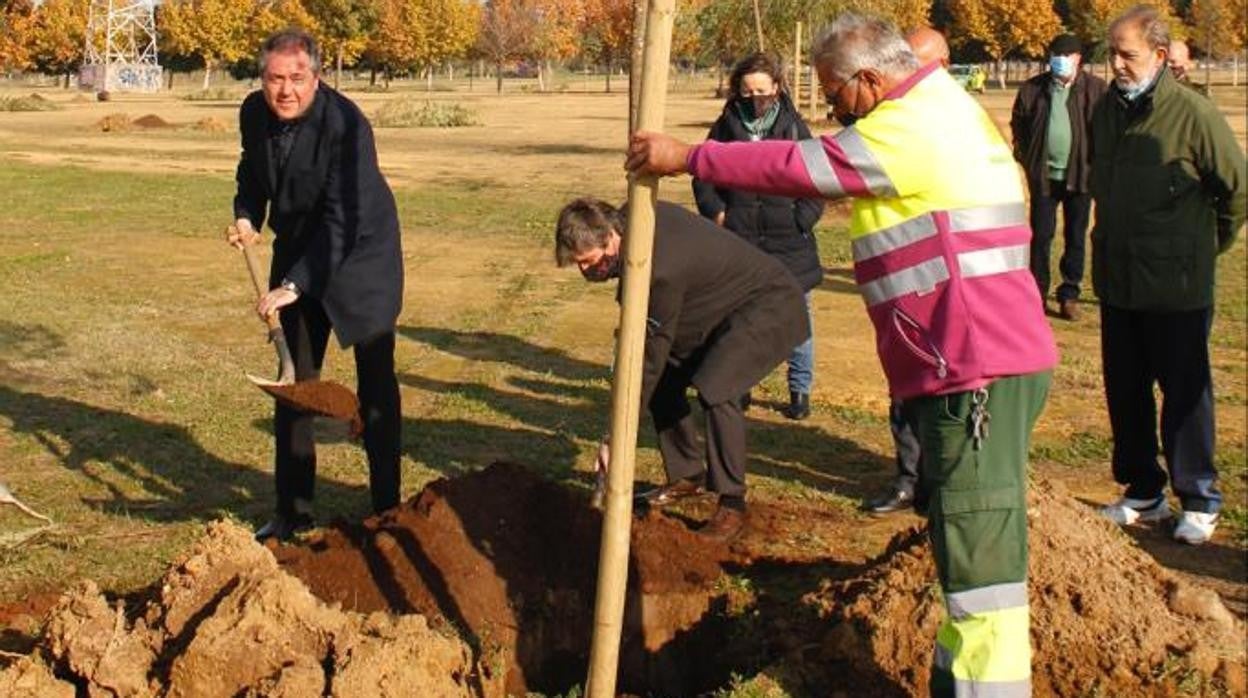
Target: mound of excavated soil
511	558
228	622
508	560
151	121
1106	618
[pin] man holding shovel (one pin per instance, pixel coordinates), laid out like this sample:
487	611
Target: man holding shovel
309	162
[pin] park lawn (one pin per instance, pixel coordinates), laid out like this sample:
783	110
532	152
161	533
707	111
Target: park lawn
125	331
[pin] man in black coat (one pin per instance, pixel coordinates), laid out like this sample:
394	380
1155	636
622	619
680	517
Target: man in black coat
722	314
309	159
1051	123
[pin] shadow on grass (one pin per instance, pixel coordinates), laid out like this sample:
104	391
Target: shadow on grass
150	469
505	348
797	453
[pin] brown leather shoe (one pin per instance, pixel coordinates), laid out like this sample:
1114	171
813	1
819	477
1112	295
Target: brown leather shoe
672	491
724	526
1068	309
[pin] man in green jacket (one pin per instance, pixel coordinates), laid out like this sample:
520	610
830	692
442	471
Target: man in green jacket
1168	181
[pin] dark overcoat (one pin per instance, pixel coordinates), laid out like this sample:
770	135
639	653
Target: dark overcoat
336	228
778	225
718	306
1029	124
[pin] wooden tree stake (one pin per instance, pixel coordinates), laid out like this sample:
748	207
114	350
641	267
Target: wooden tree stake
626	379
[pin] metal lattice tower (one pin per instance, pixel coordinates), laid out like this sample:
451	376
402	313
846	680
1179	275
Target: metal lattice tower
121	47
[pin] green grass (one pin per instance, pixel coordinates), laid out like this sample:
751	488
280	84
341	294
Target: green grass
410	113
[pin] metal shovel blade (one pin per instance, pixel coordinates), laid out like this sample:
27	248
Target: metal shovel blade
325	398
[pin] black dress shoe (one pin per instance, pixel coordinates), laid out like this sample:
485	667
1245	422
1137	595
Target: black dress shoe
285	528
799	406
894	501
666	494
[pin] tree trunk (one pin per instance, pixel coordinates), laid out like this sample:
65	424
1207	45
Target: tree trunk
68	73
372	76
541	81
1001	73
337	66
1235	70
450	72
498	77
429	79
608	76
170	81
207	74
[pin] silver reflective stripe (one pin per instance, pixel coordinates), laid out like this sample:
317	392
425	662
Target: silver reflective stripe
965	688
985	599
820	168
861	159
994	260
965	220
919	278
893	237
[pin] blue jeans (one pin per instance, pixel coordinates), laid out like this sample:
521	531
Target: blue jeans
802	360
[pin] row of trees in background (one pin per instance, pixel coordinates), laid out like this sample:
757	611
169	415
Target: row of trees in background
409	37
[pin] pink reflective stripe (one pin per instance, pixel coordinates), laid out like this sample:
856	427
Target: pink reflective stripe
764	167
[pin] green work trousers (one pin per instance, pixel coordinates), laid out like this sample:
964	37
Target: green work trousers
974	446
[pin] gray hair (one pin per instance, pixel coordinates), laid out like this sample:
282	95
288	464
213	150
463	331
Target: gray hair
1148	20
855	42
291	40
585	224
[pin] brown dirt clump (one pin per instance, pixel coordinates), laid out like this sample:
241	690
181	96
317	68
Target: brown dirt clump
229	622
114	123
151	121
511	559
1106	618
326	398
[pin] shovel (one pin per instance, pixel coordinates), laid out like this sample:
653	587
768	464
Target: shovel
325	398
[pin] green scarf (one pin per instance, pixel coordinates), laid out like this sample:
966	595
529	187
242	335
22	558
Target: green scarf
757	127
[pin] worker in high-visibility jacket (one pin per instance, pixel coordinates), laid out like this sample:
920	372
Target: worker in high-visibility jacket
940	244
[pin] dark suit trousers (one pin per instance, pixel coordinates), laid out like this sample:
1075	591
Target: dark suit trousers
678	437
307	332
1139	348
1075	213
903	424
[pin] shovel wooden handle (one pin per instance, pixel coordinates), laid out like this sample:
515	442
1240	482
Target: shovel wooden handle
257	280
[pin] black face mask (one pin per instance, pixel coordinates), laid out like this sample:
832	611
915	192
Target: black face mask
601	272
846	120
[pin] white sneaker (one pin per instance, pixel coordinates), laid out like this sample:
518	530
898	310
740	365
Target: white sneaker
1127	511
1195	527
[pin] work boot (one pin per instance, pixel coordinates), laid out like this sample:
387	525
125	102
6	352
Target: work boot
1068	309
1127	511
725	525
799	406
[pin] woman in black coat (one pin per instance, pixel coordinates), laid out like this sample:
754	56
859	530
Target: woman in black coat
759	108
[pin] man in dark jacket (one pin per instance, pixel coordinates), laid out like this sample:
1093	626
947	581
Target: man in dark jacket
759	108
1168	178
722	314
1050	122
308	159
